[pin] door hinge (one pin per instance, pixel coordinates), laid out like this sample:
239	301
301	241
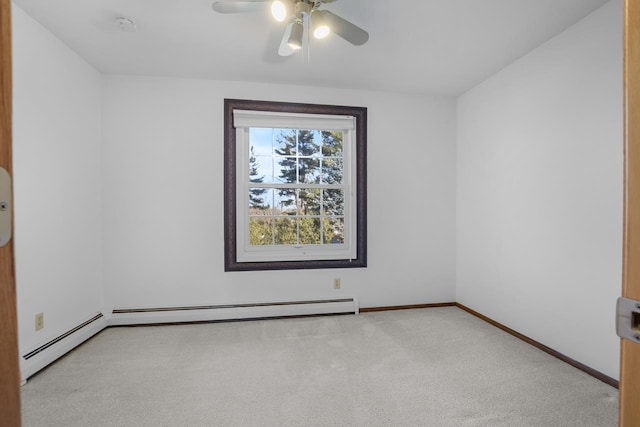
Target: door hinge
628	319
5	207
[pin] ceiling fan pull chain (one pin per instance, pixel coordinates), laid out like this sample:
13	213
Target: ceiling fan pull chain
307	19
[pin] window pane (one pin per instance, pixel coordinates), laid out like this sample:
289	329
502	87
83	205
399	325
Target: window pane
309	201
260	232
332	171
332	143
285	202
261	169
308	145
333	202
260	201
333	230
308	171
285	142
261	140
317	140
309	231
286	171
260	155
285	232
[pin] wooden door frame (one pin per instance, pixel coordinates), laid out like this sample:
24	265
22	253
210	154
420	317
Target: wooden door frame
630	351
9	366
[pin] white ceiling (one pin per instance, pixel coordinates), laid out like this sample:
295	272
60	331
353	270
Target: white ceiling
415	46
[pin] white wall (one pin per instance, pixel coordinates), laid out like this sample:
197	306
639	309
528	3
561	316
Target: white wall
56	143
539	192
163	197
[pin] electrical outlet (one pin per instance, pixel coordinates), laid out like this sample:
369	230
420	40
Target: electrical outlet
39	321
336	283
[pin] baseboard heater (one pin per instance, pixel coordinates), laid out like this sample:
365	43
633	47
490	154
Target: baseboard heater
47	353
38	358
208	313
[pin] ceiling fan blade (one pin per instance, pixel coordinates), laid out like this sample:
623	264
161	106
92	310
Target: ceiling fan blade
285	49
345	29
230	6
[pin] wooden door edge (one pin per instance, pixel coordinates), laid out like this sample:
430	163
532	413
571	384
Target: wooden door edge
630	352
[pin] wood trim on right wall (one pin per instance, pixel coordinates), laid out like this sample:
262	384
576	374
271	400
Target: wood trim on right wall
581	366
584	368
405	307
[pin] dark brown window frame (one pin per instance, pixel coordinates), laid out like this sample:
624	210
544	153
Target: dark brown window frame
230	235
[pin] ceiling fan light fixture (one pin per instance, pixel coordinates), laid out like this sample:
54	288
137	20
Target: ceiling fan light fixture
319	25
303	18
279	10
321	31
295	39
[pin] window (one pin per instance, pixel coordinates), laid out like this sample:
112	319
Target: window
295	186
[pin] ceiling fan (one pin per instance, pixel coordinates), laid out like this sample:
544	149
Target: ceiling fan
302	16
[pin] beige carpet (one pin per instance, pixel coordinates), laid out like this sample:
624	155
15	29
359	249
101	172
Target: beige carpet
429	367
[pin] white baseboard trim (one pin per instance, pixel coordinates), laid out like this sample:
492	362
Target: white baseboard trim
40	357
138	316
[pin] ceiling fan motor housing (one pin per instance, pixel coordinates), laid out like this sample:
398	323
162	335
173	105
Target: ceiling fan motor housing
303	8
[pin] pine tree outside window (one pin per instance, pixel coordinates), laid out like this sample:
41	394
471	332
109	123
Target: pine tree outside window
295	177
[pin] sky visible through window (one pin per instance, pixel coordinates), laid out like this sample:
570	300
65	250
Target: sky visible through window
296	193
